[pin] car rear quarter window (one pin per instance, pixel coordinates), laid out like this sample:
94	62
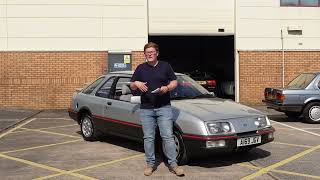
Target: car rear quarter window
104	90
301	81
92	86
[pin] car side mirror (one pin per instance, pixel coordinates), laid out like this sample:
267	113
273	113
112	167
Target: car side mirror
78	90
135	99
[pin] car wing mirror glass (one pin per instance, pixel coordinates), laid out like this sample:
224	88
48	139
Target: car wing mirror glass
135	99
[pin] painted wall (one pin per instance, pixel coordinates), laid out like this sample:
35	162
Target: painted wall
73	25
180	17
259	24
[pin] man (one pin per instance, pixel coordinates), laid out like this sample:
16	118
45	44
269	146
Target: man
155	79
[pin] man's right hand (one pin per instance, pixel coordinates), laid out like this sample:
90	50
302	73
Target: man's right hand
141	86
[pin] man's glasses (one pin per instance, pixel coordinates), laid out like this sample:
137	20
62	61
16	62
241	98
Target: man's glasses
151	52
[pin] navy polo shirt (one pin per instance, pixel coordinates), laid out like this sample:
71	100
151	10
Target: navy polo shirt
155	77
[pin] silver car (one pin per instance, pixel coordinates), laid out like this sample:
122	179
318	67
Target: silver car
202	122
300	97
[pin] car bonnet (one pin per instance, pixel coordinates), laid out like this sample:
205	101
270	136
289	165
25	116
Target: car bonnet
215	109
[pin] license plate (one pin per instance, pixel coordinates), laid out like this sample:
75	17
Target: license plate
248	141
201	82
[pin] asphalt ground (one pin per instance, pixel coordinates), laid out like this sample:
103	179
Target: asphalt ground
48	145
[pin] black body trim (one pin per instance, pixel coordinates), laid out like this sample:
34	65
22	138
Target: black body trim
282	107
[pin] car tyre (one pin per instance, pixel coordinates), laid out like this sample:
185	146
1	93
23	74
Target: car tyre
88	130
311	113
182	157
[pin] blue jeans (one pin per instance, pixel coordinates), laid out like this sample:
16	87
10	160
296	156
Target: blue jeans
163	117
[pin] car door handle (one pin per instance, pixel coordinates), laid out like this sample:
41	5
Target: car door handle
109	103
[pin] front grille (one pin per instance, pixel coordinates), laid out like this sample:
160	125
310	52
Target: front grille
251	133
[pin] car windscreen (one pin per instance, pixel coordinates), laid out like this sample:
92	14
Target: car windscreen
188	89
301	81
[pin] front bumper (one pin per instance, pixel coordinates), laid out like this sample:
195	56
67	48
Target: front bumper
73	115
283	107
197	145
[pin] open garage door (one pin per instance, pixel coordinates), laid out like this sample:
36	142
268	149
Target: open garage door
211	57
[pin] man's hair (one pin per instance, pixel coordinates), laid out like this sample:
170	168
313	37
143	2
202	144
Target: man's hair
151	44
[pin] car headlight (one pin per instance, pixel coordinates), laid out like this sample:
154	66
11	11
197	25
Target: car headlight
262	122
219	127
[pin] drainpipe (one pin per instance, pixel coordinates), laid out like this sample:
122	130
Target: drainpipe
236	56
282	58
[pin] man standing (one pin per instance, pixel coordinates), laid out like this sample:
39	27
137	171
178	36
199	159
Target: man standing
155	79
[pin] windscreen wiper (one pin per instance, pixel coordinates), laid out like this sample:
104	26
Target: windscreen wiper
203	96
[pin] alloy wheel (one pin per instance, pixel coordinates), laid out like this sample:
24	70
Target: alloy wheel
86	126
176	141
314	113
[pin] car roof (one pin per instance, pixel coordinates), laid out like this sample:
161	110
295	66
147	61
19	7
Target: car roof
131	72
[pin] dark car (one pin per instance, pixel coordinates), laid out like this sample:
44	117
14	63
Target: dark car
300	97
205	79
221	88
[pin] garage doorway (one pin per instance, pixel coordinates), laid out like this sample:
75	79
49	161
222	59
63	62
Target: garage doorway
211	54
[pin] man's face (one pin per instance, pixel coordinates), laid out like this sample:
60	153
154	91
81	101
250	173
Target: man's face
151	54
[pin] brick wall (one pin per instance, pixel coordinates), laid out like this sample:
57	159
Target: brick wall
46	80
138	58
264	69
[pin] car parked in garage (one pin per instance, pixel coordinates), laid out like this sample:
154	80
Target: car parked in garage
205	79
300	97
203	123
221	88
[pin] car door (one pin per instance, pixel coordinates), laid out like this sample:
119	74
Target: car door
99	104
123	115
88	100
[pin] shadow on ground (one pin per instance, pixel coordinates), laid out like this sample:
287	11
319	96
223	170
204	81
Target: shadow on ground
214	160
228	159
284	118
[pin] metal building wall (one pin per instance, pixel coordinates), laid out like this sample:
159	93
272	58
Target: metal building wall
73	25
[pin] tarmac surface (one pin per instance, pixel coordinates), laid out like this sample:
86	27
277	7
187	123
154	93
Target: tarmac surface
48	145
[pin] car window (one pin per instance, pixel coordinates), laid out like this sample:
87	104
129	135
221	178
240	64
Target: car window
301	81
122	94
92	86
188	89
121	81
104	90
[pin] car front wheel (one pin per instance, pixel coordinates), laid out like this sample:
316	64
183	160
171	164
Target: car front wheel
182	157
88	131
311	113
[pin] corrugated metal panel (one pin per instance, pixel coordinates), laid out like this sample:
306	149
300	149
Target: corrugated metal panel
191	17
